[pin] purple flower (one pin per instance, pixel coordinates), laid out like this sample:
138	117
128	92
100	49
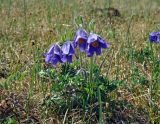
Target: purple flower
67	51
81	39
155	37
95	43
53	56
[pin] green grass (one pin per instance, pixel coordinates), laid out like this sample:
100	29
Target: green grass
131	66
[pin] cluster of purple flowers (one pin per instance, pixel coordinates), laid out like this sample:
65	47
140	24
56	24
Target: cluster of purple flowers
155	37
89	43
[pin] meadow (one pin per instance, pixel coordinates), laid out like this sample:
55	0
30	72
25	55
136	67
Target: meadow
120	86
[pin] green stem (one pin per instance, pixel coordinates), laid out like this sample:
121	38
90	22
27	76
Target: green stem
66	67
100	106
80	59
91	70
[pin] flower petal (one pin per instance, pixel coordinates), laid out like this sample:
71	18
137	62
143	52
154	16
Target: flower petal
98	51
57	49
51	49
83	47
92	38
68	48
54	61
90	51
153	37
102	42
71	50
59	58
69	58
48	58
64	58
81	33
158	37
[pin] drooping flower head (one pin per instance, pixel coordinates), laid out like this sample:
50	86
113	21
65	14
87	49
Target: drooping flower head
81	39
53	56
95	44
155	37
67	51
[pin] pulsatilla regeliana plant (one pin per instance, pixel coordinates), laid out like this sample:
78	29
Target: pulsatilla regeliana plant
78	77
84	46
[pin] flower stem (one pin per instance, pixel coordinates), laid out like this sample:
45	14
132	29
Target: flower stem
100	106
91	70
80	59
